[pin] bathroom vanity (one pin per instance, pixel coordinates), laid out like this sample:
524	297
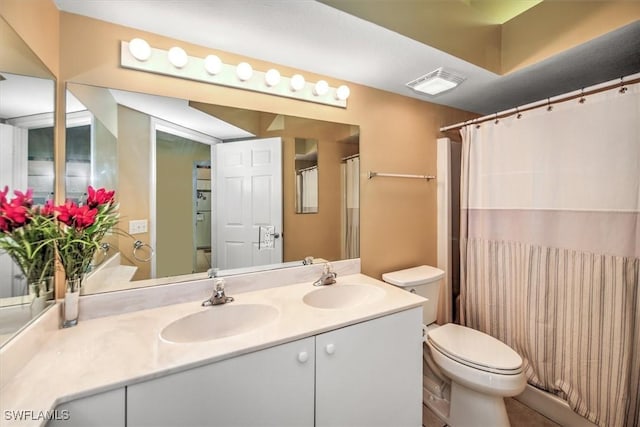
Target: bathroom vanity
344	354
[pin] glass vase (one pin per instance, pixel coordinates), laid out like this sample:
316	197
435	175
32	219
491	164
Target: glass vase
71	302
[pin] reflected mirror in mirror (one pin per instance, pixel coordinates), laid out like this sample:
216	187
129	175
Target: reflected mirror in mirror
306	167
26	161
203	186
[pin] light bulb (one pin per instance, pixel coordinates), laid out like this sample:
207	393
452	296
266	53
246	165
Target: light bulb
272	77
342	93
212	64
178	57
140	49
244	71
297	82
321	88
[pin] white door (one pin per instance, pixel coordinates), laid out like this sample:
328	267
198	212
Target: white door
248	196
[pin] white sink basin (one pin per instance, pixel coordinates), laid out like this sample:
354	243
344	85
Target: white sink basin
342	296
219	322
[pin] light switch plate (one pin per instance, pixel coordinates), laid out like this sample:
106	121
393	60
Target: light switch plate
138	226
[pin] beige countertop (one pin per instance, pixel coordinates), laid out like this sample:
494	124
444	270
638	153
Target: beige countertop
110	352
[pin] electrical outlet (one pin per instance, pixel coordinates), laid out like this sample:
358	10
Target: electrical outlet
138	226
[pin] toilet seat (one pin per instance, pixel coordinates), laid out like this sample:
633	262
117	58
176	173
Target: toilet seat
475	349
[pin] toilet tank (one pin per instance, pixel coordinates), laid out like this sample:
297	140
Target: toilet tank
424	281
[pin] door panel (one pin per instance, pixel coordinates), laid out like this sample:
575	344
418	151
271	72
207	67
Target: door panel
249	180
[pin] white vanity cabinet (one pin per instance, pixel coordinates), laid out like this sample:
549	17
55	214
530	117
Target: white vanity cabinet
370	374
271	387
100	410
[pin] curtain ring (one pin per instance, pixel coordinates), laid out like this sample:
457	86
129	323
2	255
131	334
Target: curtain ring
497	120
549	106
623	88
582	98
137	245
518	113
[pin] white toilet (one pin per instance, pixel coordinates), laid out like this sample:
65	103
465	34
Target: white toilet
467	373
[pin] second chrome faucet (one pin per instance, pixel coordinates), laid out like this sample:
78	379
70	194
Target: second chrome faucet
328	277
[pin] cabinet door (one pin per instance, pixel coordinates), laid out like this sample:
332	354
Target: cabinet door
272	387
370	374
100	410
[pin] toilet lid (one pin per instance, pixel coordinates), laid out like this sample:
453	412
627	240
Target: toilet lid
476	349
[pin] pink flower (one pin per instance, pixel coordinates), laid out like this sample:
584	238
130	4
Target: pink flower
99	197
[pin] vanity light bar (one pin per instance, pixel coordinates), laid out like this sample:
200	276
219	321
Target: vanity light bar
177	63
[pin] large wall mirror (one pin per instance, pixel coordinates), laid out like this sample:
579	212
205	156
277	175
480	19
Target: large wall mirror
203	186
27	102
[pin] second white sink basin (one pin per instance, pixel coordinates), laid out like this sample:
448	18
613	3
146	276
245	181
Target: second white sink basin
342	296
219	322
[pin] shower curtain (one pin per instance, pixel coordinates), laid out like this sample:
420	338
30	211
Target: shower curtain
550	247
350	173
308	189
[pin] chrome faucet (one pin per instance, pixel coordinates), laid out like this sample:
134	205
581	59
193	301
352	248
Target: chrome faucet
328	277
217	297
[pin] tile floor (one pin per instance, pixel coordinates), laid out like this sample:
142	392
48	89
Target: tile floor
519	415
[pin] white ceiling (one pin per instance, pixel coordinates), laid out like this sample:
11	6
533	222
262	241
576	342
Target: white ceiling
312	36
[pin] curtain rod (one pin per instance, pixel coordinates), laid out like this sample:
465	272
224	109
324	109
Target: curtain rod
400	175
621	84
306	169
350	157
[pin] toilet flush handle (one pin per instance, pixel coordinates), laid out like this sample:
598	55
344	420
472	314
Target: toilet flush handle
424	332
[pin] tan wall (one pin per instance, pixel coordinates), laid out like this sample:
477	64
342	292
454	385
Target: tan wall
134	156
552	27
37	23
398	134
174	205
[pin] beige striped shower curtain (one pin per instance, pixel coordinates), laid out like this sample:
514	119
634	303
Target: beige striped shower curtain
550	248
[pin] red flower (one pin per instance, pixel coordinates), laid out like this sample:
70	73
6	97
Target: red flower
76	216
85	217
13	216
48	210
99	197
3	195
4	225
23	199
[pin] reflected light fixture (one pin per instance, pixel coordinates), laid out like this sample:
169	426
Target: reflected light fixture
178	57
272	77
297	82
321	88
342	93
436	82
140	49
244	71
212	64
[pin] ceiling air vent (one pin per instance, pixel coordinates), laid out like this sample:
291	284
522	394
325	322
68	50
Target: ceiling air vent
436	82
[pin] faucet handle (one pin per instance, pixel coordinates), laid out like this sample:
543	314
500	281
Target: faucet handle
327	268
219	284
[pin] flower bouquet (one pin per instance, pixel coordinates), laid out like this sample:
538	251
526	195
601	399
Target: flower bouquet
80	230
27	235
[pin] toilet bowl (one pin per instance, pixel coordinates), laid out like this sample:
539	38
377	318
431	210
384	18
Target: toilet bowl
467	372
